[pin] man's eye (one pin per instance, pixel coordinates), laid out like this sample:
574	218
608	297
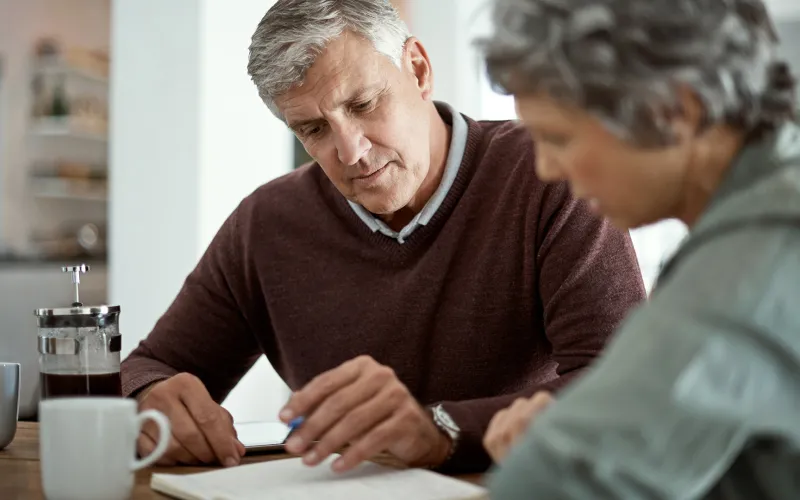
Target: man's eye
363	107
312	131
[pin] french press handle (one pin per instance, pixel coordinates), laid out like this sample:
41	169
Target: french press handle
76	280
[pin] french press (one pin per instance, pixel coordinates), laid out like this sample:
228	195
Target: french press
79	347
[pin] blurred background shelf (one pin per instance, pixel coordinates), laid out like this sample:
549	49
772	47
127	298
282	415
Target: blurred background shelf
70	189
60	69
66	127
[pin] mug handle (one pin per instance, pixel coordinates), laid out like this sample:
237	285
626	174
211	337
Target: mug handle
163	437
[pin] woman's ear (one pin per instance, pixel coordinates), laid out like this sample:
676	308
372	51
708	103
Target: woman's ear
689	120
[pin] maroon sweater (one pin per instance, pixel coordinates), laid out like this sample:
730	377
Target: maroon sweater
512	287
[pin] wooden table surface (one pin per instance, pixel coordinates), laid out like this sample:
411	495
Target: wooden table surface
20	469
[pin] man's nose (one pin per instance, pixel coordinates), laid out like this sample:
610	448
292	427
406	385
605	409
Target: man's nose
351	144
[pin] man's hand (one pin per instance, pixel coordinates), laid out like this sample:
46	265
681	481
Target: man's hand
508	425
363	404
202	430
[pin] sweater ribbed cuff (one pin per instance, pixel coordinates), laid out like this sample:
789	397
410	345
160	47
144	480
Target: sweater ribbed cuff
138	373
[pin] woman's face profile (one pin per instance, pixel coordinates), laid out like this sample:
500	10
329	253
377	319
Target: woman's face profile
630	185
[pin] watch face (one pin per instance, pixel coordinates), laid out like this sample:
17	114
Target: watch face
445	419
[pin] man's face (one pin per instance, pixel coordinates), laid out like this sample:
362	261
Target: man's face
365	121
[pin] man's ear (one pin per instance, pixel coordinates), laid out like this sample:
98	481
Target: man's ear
416	60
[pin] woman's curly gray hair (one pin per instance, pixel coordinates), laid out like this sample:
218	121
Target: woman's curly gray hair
624	61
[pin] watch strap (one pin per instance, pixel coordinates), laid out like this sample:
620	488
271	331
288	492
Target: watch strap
447	426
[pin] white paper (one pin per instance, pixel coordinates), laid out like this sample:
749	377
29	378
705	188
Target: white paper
291	480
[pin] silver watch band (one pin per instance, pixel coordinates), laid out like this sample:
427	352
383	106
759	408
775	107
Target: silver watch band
445	423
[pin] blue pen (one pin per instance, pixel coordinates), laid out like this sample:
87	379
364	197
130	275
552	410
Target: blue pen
294	425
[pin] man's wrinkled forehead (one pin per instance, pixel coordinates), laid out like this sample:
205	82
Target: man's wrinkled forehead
345	69
298	114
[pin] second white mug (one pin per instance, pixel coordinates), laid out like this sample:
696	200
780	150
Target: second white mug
88	447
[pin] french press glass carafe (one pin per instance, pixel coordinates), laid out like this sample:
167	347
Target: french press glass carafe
79	347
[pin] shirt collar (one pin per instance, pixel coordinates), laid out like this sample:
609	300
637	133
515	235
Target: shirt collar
458	143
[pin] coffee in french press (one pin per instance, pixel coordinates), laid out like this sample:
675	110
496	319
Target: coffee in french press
79	347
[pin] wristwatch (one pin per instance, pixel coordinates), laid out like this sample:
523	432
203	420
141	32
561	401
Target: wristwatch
445	423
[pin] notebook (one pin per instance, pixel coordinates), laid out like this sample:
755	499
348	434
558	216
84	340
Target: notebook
291	480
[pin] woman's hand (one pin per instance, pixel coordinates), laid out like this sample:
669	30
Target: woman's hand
508	425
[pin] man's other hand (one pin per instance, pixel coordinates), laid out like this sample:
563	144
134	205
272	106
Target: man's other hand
362	404
202	430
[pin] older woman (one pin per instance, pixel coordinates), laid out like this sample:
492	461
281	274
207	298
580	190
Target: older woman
656	109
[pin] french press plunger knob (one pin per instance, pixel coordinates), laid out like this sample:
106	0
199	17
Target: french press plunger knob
76	280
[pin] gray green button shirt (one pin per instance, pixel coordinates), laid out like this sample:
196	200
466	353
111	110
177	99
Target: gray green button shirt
698	395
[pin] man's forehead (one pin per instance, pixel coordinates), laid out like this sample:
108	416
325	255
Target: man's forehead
307	100
308	107
349	65
347	48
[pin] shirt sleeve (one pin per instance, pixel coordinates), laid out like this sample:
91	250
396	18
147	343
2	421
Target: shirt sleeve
205	331
589	280
676	396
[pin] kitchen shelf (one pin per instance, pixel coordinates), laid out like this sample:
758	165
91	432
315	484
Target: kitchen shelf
70	189
67	71
66	127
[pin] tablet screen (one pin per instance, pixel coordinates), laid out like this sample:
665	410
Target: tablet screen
262	436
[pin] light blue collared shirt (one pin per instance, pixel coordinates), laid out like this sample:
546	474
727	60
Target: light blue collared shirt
458	142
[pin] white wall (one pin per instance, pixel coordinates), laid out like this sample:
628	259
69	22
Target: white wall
190	139
782	10
447	29
243	145
154	157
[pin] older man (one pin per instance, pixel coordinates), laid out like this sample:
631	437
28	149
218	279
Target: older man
412	281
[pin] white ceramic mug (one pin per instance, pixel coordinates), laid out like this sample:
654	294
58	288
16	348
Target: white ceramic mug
88	447
9	402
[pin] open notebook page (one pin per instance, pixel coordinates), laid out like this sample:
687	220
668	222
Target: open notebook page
291	480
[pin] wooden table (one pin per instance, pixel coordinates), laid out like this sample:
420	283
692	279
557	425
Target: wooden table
20	469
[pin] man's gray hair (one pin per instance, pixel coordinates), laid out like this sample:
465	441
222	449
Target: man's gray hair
625	60
293	33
